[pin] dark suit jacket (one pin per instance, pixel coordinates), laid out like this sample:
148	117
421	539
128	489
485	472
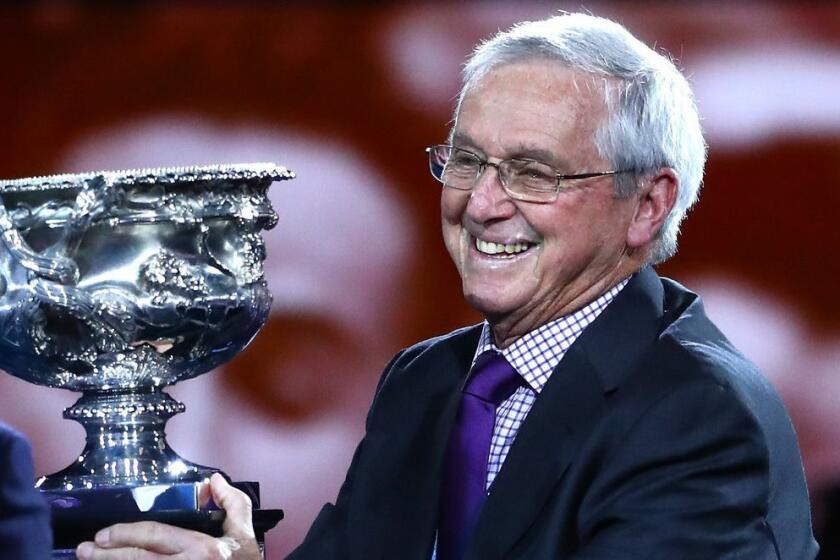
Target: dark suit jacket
24	518
654	438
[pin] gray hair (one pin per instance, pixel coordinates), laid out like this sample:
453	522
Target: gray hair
652	117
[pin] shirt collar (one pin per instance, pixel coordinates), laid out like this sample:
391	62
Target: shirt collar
536	354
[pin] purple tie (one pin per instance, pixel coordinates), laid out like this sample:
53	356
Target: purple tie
463	484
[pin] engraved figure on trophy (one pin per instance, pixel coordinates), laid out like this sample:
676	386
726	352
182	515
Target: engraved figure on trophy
117	284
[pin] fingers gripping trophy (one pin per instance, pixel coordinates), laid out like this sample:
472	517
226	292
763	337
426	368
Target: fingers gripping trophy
117	284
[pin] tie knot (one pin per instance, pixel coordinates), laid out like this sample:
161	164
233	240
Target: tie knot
493	379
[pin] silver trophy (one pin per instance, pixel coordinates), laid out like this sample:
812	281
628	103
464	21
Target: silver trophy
117	284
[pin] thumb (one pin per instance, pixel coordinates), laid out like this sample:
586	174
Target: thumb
237	505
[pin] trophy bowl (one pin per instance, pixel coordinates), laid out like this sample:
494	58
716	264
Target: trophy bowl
119	283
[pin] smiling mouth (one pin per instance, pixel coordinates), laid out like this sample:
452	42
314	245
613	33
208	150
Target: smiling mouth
501	249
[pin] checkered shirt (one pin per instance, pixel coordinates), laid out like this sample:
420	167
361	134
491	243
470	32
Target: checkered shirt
534	356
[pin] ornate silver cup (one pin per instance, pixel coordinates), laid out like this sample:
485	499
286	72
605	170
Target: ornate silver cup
117	284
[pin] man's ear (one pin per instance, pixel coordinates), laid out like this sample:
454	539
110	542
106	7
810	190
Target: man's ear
656	196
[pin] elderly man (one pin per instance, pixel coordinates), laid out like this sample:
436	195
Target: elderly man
597	413
24	518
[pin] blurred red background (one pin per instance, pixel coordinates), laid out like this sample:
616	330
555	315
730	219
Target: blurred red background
348	96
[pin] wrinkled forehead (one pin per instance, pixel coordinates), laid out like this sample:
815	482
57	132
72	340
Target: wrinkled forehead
587	87
535	106
578	90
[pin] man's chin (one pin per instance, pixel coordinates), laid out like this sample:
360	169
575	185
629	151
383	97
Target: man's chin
492	306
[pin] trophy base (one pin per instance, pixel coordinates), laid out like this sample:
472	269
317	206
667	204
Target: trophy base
77	515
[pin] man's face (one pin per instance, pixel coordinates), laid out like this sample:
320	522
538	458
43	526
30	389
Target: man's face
543	111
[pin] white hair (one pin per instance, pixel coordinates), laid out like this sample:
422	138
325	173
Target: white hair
652	117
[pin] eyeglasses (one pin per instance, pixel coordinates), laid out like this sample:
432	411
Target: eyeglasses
523	179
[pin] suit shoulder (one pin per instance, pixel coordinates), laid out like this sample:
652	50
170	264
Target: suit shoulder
15	456
690	351
8	432
461	343
694	349
11	439
458	337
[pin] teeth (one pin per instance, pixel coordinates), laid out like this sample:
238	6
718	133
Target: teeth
490	248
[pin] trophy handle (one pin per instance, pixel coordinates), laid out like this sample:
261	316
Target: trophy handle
95	197
56	273
55	263
54	268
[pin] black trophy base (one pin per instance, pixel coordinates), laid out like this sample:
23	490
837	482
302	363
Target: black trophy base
77	515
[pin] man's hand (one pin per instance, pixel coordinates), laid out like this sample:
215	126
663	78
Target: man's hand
151	540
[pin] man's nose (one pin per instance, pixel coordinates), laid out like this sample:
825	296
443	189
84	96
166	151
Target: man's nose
488	199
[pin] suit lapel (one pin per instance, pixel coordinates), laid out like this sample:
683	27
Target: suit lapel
404	452
543	448
570	403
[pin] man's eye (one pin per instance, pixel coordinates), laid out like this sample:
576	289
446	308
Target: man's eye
462	161
534	174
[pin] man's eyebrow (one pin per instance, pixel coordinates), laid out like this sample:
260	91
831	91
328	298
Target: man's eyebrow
462	139
524	151
520	151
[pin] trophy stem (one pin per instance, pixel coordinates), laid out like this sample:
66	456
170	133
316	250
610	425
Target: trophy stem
125	443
